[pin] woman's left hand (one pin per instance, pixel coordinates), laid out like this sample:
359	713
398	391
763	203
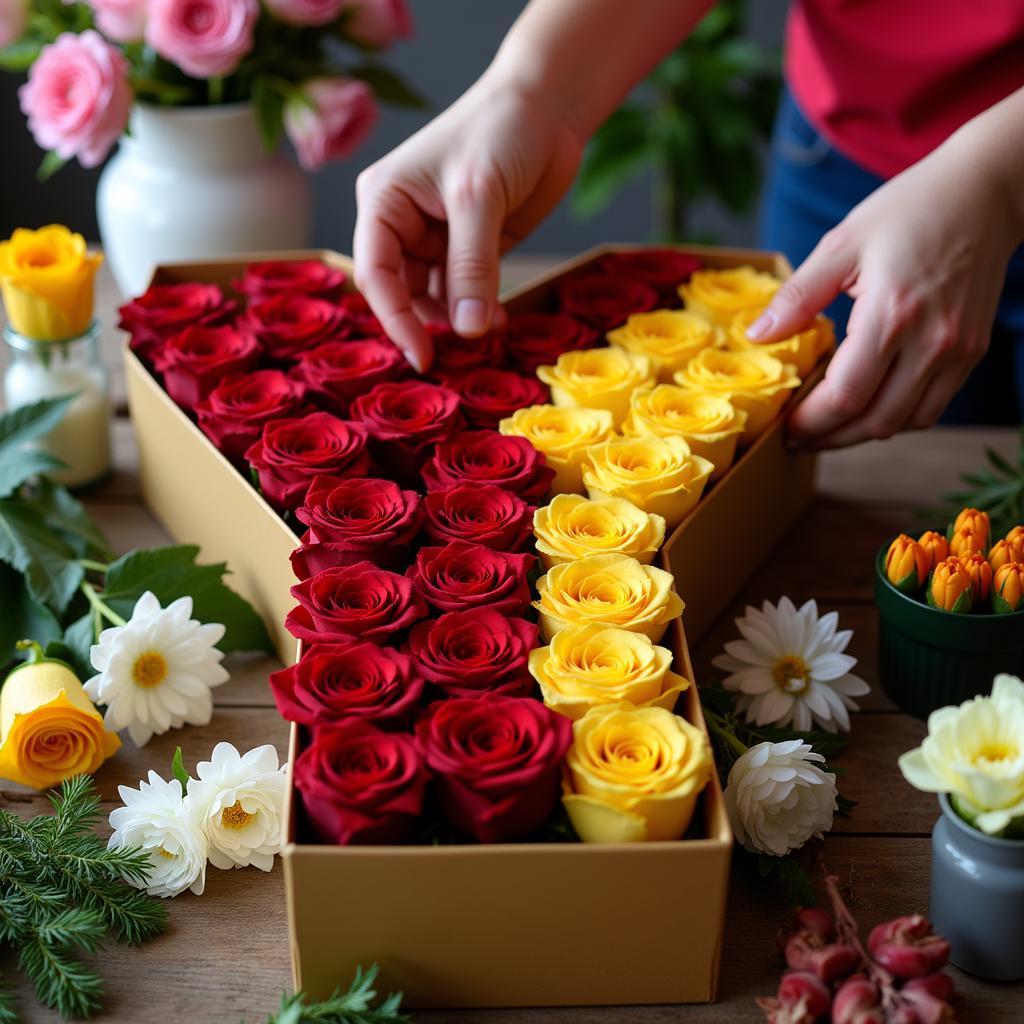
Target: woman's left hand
924	258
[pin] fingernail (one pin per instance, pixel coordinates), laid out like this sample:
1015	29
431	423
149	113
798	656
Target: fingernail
762	325
470	317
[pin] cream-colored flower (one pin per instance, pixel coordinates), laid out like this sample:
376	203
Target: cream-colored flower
718	295
572	526
597	378
669	337
657	474
803	349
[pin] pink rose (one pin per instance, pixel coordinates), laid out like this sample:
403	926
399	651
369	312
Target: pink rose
306	12
13	15
205	38
77	97
329	120
379	22
124	21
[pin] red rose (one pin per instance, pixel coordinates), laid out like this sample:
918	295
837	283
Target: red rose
361	785
355	520
357	319
353	602
475	652
664	269
488	396
455	355
478	513
405	418
194	361
461	576
538	339
300	277
288	325
487	457
166	309
603	300
233	413
339	371
291	453
497	763
358	680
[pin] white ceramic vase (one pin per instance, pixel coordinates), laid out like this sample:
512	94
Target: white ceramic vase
191	183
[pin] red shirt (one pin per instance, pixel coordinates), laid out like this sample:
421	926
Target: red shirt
886	81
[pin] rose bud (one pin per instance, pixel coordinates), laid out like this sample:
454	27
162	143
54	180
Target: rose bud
488	457
299	277
455	355
980	572
800	990
538	339
935	547
461	576
288	325
906	564
950	587
1009	549
605	301
489	396
358	320
664	269
828	961
1008	588
194	361
974	520
480	514
907	947
337	372
858	1001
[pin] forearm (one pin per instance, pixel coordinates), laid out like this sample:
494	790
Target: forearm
584	56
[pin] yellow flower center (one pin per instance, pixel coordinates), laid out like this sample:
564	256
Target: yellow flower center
791	674
149	670
996	751
234	817
166	854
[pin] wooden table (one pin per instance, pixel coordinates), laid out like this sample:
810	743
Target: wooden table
225	956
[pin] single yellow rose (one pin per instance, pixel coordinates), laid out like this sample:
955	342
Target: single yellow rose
49	729
597	378
755	382
634	775
47	281
657	474
718	295
710	424
591	665
573	526
668	337
613	590
803	349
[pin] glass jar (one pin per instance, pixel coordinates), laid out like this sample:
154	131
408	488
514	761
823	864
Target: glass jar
46	369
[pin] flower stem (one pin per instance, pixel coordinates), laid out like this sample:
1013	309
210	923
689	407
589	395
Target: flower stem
99	607
216	90
93	566
717	725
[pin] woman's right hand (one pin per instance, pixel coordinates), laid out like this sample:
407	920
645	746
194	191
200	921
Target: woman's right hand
436	213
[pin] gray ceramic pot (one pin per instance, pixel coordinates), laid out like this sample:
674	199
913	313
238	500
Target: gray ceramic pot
977	897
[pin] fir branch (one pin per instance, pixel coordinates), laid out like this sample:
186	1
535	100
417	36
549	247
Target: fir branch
352	1007
8	1006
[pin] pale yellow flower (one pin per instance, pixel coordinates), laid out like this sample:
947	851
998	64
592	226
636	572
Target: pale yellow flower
718	295
597	378
669	337
803	349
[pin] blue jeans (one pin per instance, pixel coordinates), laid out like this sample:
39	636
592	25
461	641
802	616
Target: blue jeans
811	187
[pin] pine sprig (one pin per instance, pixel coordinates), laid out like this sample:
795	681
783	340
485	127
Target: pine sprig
352	1007
62	892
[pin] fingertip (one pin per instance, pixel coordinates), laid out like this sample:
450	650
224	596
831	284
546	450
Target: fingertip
763	325
470	317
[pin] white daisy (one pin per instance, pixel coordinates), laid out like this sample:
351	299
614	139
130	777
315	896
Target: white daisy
790	670
157	670
239	802
157	819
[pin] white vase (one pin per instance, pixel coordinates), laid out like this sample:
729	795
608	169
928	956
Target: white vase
191	183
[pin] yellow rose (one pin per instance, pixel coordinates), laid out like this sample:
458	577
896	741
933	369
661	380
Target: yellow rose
591	665
669	337
573	526
597	378
657	474
803	350
613	590
563	435
710	424
755	382
47	281
49	729
634	775
718	295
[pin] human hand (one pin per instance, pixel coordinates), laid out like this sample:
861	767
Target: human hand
436	213
924	258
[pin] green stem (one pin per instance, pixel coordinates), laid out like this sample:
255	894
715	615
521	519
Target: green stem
717	725
216	90
92	566
98	605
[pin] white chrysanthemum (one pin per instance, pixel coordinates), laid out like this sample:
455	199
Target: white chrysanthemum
157	819
239	801
790	670
778	798
156	672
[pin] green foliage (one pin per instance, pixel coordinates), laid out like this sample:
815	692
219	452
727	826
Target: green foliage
352	1007
698	124
18	428
62	893
179	771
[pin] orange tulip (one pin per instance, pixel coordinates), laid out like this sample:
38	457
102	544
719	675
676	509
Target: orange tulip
906	564
967	538
979	522
935	547
1008	588
950	587
1009	549
980	572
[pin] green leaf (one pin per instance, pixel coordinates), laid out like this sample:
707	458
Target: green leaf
49	166
389	87
798	886
21	616
1001	464
268	104
21	55
617	150
179	771
67	515
17	428
75	645
172	572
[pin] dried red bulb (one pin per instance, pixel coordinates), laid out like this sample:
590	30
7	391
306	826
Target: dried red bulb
858	1001
908	947
828	961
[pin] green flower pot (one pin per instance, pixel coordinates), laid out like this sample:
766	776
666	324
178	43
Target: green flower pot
928	658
